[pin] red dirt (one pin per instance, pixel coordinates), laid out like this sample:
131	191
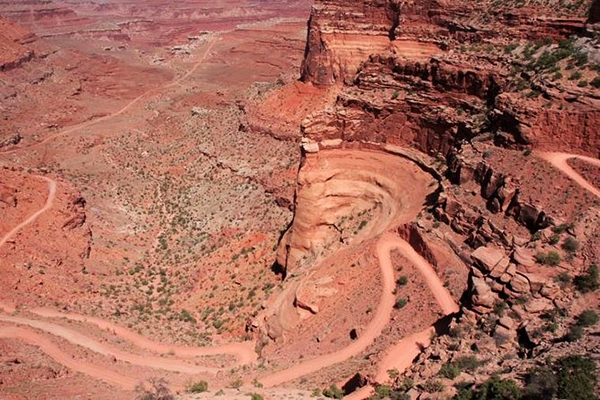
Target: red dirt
559	160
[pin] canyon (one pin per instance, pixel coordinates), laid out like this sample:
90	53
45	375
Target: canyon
329	199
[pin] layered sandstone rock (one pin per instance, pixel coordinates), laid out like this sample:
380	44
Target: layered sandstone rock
13	45
347	196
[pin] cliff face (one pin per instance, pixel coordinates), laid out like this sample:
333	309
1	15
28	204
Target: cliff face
341	35
450	73
442	80
13	45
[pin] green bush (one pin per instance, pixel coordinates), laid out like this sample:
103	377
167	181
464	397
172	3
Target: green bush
403	280
563	277
576	377
493	389
551	258
570	244
596	82
499	308
433	386
198	387
575	333
468	363
571	378
575	76
334	392
449	370
587	318
510	47
587	282
256	396
582	83
541	383
580	58
401	302
395	94
382	391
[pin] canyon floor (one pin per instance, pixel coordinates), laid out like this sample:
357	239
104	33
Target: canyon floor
197	201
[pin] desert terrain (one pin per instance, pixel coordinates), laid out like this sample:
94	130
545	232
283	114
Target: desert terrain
299	199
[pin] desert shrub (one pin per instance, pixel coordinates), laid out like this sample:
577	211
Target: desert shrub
546	41
401	302
510	47
403	280
198	387
596	82
575	76
570	244
576	377
382	391
499	308
185	315
580	58
541	383
588	281
551	258
582	83
554	239
154	389
493	389
572	377
562	228
333	392
236	383
563	278
575	333
468	363
587	318
449	370
433	386
256	396
395	94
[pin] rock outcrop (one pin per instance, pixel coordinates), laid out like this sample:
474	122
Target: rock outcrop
13	45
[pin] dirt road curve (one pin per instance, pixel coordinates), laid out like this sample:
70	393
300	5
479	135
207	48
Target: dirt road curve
559	160
244	351
47	205
381	318
80	339
211	42
45	345
404	352
400	356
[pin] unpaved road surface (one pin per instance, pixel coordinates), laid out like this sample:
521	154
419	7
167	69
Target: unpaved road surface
47	205
559	161
396	357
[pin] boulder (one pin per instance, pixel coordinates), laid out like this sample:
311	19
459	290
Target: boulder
483	295
524	256
489	257
538	305
550	291
507	322
519	283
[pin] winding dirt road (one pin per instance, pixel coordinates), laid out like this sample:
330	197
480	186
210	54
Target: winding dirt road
559	161
80	339
395	358
401	355
244	352
52	350
33	217
211	41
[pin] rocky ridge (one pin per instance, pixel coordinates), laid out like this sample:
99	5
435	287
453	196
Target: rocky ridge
484	89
